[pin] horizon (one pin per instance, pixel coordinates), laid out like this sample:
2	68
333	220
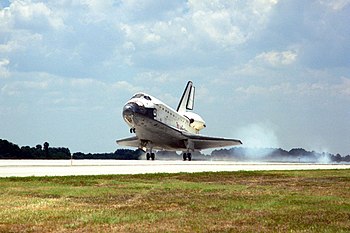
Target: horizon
203	152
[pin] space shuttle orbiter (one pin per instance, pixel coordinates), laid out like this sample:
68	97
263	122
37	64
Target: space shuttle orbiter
158	126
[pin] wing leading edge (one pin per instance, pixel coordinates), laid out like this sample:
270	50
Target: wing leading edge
202	142
132	142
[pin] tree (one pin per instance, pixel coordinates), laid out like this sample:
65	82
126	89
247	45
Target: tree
46	149
9	150
337	158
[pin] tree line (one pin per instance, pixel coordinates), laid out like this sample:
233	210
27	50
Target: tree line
9	150
277	155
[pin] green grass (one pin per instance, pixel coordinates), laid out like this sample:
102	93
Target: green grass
276	201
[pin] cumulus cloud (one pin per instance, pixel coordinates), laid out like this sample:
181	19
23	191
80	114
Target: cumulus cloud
153	77
20	41
53	83
335	5
51	92
276	58
285	88
199	27
140	33
266	65
4	72
230	23
24	14
24	87
299	89
217	27
126	86
344	87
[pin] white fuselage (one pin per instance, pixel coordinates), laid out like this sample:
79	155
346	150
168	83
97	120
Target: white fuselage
184	121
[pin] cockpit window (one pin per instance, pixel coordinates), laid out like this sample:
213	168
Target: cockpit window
136	96
141	95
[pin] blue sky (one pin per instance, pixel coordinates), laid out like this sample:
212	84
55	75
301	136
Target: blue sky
273	73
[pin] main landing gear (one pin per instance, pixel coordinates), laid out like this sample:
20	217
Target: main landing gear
186	156
150	156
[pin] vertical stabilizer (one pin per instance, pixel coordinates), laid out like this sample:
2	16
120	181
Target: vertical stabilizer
187	99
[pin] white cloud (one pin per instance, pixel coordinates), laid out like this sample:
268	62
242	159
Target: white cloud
98	6
344	87
55	93
150	10
335	5
94	11
171	33
204	27
24	14
135	33
20	41
276	58
283	88
126	86
230	23
152	77
299	89
218	27
85	83
265	66
4	72
261	7
24	87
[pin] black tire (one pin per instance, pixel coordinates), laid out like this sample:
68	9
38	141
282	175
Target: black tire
153	156
189	156
184	156
148	156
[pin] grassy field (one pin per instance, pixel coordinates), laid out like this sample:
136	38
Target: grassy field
276	201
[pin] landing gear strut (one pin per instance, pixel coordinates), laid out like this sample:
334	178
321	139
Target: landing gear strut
186	156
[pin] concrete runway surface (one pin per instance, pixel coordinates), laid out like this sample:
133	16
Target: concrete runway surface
9	168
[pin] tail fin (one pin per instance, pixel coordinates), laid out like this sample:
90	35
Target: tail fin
187	99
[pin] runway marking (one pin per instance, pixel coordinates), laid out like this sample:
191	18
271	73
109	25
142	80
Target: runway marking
9	168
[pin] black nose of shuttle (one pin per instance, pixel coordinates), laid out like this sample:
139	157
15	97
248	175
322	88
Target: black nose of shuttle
130	109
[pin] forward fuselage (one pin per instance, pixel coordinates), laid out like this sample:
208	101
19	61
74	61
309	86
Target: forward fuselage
146	117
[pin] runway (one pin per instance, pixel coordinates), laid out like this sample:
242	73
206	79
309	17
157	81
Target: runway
23	168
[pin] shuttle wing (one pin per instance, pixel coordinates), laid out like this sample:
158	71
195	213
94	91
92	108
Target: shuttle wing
132	142
202	142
